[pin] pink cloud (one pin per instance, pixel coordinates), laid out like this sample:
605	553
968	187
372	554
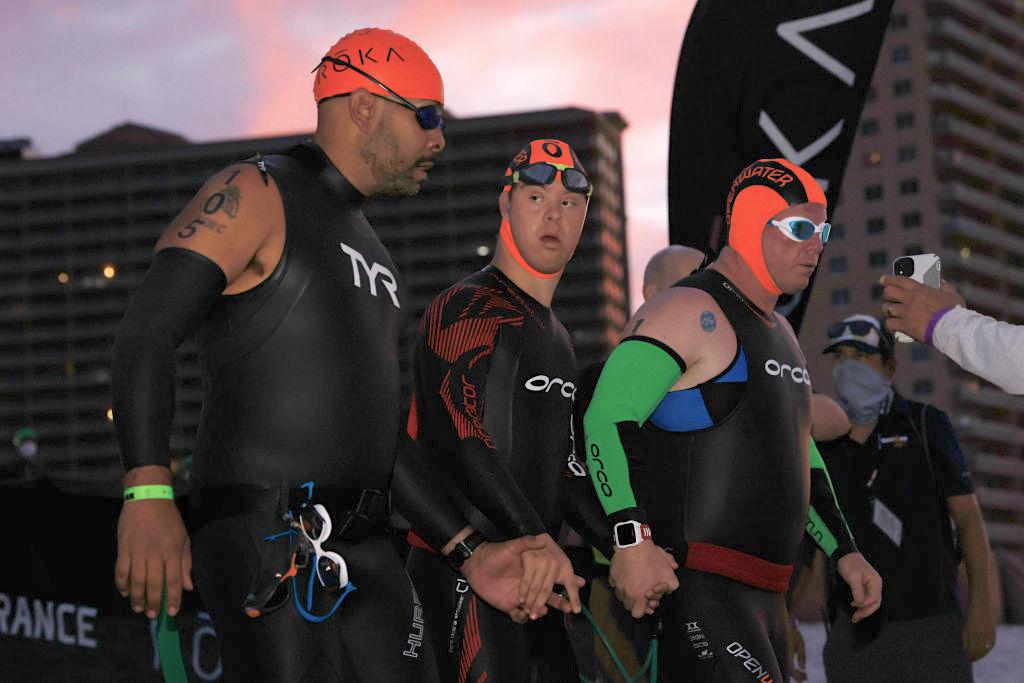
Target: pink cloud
605	55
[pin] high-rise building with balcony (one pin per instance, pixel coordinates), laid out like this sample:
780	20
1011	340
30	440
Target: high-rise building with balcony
936	166
77	233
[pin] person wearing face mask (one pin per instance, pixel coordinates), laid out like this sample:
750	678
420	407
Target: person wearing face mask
900	476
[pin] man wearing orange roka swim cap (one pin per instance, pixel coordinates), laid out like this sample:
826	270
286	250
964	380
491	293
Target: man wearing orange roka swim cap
713	367
297	307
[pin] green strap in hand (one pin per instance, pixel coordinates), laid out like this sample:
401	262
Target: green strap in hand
169	646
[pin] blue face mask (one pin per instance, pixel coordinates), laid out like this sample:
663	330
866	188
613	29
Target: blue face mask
863	392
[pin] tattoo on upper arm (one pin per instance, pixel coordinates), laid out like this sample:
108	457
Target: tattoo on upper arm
226	199
234	174
708	322
198	222
637	326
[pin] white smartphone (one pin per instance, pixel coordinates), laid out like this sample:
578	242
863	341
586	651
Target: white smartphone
924	268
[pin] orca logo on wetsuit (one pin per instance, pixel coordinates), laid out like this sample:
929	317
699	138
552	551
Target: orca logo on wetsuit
387	279
797	374
543	383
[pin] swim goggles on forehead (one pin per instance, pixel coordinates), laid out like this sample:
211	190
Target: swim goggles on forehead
544	172
801	229
429	117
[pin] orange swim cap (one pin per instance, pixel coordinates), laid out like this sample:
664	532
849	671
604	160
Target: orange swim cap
761	190
390	57
552	152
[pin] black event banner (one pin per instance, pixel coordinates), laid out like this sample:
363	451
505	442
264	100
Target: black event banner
61	618
766	79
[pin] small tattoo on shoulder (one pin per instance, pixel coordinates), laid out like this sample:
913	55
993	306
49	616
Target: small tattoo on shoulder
198	222
637	326
226	199
708	322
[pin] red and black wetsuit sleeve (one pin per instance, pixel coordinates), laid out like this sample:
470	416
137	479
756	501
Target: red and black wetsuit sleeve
458	336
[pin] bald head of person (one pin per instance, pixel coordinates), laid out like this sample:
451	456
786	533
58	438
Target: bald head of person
668	266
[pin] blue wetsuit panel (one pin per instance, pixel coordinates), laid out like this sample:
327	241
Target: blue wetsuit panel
686	411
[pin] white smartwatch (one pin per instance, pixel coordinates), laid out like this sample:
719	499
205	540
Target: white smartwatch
630	533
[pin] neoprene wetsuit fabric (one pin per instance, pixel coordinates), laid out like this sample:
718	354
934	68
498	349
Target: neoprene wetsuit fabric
731	498
301	382
300	373
494	383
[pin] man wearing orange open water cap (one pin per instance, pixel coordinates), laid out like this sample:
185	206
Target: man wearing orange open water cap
737	479
296	306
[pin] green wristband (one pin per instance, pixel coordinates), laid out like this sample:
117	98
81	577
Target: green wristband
161	491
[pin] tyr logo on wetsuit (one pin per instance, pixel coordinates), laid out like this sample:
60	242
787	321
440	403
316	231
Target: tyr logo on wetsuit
386	277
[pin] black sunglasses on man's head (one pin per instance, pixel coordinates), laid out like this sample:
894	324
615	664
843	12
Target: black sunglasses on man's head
429	117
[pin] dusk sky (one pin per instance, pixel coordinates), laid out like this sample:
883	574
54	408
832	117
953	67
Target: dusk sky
212	71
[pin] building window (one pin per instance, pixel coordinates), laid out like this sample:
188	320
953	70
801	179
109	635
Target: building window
913	249
919	353
911	219
923	387
908	186
898	22
873	193
876	292
872	94
838	232
901	55
869	126
907	153
901	87
837	264
876	225
840	297
872	158
877	258
904	119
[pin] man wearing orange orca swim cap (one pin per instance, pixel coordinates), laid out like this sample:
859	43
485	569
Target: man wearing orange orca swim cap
495	380
714	367
297	307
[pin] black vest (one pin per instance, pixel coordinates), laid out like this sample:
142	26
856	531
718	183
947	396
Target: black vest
744	482
300	373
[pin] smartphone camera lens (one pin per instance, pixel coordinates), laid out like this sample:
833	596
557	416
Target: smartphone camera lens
904	266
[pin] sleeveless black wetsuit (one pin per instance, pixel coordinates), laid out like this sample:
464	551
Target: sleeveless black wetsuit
495	379
733	492
301	383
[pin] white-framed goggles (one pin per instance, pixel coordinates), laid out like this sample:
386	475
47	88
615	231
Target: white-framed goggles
800	229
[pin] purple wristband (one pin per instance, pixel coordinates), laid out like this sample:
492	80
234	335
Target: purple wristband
933	322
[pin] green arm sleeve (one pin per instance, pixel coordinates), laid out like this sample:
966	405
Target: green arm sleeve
636	376
825	521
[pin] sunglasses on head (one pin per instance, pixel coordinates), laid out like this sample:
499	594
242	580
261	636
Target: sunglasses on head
801	229
429	117
858	328
544	172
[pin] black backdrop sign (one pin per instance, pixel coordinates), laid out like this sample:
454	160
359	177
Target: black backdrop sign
766	79
61	618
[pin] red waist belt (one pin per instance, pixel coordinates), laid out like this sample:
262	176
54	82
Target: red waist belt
739	566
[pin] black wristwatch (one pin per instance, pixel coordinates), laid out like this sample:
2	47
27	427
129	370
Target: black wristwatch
463	550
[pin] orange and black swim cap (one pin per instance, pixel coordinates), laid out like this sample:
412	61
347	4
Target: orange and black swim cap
390	57
761	190
551	151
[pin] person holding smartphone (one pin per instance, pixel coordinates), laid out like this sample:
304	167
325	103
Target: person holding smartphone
900	476
989	348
